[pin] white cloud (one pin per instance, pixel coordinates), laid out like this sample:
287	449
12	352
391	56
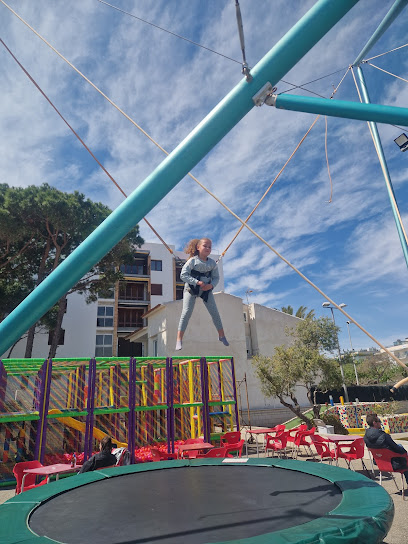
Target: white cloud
168	86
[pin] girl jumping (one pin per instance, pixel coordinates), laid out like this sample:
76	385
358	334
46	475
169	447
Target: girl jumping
200	274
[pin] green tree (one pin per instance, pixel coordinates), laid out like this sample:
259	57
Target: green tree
305	363
379	369
301	312
55	223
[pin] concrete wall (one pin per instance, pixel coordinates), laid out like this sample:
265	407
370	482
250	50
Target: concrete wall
201	339
268	328
80	332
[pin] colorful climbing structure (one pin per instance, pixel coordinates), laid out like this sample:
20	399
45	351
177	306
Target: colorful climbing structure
59	406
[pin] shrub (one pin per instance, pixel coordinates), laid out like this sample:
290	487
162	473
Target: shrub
331	419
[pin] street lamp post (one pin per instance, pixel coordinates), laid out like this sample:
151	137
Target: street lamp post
352	353
342	305
247	293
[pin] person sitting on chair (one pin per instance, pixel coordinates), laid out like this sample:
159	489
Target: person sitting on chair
376	438
104	458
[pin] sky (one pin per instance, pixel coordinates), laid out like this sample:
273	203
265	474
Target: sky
348	247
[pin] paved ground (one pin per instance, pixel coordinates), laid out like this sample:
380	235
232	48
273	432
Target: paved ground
398	533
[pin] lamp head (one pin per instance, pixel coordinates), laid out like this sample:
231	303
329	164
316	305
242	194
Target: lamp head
402	142
326	304
342	305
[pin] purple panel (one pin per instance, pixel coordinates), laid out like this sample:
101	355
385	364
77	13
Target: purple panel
132	404
170	404
3	384
90	409
45	386
150	402
234	385
204	398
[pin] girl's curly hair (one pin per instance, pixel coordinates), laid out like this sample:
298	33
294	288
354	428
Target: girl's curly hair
191	247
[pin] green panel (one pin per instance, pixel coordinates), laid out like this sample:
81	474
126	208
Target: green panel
101	411
67	413
150	408
6	418
13	518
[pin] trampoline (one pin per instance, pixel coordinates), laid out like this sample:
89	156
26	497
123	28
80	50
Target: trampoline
250	501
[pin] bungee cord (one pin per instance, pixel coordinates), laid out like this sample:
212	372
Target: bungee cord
84	144
386	71
386	53
243	223
284	166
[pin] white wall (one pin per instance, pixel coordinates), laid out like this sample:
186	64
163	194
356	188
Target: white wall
201	338
267	328
80	336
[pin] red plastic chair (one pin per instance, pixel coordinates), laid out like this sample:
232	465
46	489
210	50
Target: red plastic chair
158	455
276	429
277	443
351	452
383	457
293	432
301	439
235	449
215	452
231	437
29	482
322	448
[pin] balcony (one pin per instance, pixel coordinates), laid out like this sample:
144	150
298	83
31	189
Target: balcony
126	326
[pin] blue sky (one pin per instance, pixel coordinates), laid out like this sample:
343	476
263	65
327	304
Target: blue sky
349	248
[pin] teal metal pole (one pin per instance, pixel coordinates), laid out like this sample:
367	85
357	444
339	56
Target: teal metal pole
280	59
343	108
383	162
393	13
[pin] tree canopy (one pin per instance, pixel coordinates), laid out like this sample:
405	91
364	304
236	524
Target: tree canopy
378	369
307	363
39	228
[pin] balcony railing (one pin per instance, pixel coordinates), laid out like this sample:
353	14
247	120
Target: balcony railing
132	325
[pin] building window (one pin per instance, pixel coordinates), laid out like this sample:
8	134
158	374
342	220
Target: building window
138	268
156	265
156	289
245	317
104	345
105	316
154	348
61	338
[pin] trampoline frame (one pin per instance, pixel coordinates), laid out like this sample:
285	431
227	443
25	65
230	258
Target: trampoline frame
364	514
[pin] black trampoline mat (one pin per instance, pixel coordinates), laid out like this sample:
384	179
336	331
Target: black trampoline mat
197	505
